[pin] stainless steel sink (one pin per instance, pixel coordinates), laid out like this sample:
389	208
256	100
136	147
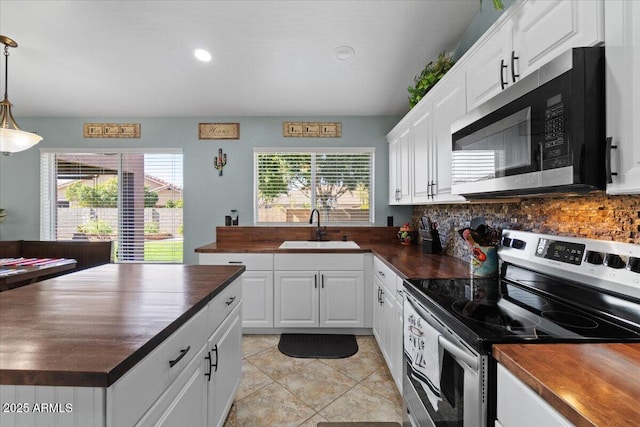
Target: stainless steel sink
310	244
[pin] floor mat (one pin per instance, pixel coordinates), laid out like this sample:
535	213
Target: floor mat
318	346
360	424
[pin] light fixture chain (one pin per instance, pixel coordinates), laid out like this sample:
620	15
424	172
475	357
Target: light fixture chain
6	71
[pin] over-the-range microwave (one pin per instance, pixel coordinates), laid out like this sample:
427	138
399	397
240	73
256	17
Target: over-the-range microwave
545	134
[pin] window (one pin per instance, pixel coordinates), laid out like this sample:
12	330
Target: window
132	198
290	183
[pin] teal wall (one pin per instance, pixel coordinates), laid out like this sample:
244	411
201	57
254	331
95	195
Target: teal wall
480	23
208	197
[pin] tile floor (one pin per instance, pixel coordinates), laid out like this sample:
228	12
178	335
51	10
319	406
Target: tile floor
278	390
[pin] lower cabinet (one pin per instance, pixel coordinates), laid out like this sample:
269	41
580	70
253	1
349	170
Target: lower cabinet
319	290
388	318
519	406
319	298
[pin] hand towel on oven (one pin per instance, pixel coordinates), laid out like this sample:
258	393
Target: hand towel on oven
424	352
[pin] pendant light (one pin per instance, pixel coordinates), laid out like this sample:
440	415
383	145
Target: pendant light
12	138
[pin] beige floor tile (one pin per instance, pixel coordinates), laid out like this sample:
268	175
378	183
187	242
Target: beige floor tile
361	404
368	343
316	384
231	417
271	406
359	366
382	383
252	379
313	421
276	364
252	344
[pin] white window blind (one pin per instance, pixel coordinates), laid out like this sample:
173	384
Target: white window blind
133	199
289	184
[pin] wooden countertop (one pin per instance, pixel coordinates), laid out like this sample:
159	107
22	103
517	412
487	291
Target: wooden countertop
90	327
590	384
408	261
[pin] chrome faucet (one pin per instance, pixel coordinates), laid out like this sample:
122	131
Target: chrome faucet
319	231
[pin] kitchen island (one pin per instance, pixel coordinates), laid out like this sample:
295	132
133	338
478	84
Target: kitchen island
106	344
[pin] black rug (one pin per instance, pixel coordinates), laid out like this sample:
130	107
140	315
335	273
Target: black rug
318	346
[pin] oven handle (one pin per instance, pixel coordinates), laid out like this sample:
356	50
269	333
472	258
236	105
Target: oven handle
459	353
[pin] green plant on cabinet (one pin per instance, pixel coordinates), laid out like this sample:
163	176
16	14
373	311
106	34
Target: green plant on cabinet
430	75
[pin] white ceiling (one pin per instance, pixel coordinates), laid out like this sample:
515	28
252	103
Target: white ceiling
270	58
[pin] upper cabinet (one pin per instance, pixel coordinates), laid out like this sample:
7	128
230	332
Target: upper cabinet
623	95
529	34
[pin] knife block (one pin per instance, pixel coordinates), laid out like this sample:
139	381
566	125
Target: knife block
433	245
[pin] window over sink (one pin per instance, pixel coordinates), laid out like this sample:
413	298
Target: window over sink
289	183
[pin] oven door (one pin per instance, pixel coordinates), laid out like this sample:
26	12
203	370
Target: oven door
457	397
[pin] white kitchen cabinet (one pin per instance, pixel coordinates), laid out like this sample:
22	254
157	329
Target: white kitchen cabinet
449	104
319	298
224	349
319	290
519	406
422	132
527	36
388	319
257	285
399	168
623	94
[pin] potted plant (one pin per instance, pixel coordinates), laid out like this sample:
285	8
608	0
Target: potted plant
430	75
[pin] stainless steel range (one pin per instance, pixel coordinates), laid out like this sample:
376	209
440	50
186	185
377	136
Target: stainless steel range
551	289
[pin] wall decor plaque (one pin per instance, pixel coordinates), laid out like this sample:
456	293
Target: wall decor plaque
218	130
312	129
111	130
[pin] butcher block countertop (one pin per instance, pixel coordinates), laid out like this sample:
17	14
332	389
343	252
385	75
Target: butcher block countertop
408	261
90	327
590	384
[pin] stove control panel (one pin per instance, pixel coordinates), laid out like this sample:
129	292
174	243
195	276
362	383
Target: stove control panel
569	252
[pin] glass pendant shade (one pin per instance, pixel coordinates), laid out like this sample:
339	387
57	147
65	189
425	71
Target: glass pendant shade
12	138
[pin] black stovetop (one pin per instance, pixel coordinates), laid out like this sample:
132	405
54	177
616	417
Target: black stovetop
491	311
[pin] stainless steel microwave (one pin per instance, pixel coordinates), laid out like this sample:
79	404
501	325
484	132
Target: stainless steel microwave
543	135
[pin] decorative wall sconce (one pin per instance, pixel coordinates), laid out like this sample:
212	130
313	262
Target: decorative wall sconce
220	161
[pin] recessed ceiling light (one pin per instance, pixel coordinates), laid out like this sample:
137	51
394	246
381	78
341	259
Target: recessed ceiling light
344	52
202	55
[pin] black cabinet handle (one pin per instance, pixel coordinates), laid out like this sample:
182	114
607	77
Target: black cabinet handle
381	273
235	262
315	281
433	188
230	300
322	281
502	67
428	189
215	350
208	374
607	160
180	356
514	76
381	296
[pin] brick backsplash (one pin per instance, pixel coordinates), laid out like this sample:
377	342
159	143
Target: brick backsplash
594	216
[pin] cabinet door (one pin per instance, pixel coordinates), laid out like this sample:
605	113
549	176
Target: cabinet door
394	184
448	106
421	158
378	313
398	344
546	28
184	403
257	299
296	299
485	74
342	299
404	167
226	368
623	94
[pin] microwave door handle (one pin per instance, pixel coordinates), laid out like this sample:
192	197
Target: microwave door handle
459	353
541	151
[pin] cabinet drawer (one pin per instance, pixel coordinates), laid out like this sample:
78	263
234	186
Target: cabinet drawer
333	261
250	261
220	307
385	274
146	381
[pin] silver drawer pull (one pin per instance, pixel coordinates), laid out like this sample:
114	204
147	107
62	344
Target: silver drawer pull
230	300
184	351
